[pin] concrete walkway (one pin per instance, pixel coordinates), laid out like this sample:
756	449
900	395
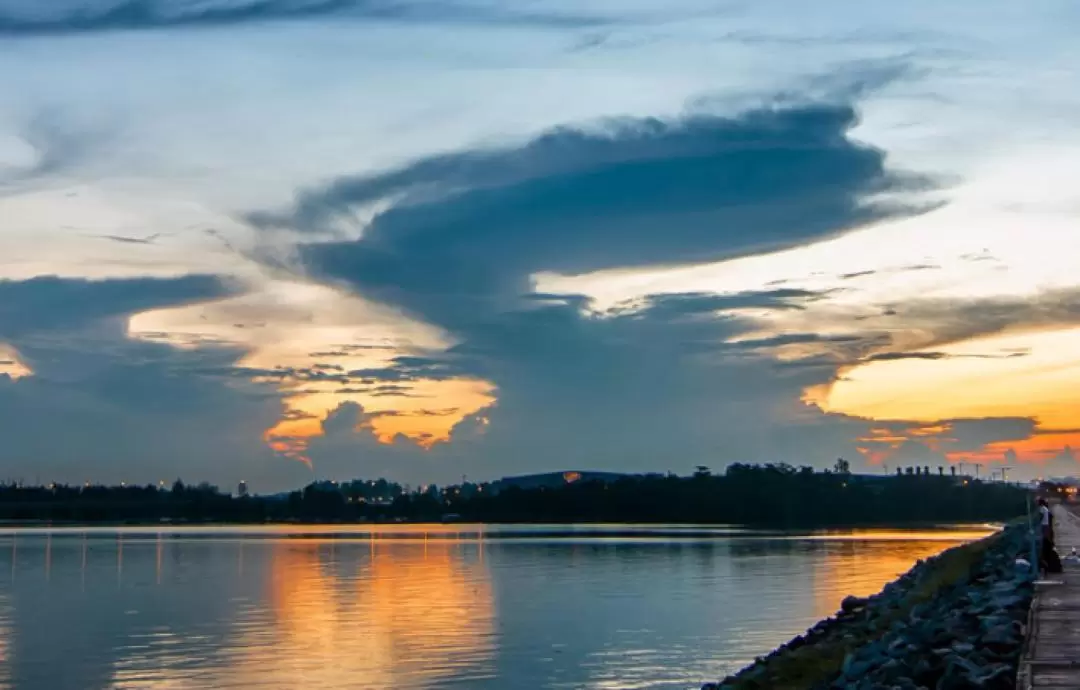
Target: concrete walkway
1051	656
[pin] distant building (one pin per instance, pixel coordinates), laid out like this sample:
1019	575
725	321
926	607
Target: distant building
242	490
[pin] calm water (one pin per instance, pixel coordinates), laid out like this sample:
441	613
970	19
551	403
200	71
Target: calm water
420	607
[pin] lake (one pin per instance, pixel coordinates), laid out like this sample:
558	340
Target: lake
422	606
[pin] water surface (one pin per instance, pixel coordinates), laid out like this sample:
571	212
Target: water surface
421	606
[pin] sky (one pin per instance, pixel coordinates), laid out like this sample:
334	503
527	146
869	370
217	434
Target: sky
278	240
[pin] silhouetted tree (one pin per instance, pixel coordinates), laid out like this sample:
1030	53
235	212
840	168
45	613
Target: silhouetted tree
779	495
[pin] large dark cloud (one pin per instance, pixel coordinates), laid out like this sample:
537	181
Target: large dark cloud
468	229
32	18
661	383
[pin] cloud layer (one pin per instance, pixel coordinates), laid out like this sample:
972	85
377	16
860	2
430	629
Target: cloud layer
102	407
27	18
649	382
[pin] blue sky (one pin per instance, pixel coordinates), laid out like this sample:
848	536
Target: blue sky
277	239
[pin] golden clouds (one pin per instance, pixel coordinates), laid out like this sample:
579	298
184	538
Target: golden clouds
1034	375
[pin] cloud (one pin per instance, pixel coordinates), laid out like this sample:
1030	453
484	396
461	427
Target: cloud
688	303
125	239
50	303
631	391
917	326
947	440
28	18
137	412
933	356
465	231
456	239
102	406
856	274
53	141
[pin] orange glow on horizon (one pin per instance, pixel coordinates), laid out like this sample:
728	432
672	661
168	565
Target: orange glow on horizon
976	379
425	415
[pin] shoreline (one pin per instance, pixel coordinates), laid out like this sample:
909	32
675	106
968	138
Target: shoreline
955	620
809	528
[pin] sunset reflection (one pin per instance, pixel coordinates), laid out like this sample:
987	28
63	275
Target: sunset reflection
860	563
376	616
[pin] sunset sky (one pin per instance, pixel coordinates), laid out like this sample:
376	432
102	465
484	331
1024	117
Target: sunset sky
282	239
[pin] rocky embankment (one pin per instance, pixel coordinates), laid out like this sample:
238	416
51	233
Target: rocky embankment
953	622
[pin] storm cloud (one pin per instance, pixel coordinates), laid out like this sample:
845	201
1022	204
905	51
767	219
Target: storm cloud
466	231
460	237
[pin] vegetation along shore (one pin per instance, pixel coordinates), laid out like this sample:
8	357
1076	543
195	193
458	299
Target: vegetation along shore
771	496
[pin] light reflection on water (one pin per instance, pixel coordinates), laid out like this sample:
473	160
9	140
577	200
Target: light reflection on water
420	606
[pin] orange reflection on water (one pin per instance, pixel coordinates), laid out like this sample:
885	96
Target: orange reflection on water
399	615
859	563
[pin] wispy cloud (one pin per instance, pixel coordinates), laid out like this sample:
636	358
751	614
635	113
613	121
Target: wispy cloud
58	141
30	18
125	239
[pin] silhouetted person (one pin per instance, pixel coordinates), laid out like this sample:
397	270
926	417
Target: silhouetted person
1049	562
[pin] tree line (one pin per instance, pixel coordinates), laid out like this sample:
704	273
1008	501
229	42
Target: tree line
775	495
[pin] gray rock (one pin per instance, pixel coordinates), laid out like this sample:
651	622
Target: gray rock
963	647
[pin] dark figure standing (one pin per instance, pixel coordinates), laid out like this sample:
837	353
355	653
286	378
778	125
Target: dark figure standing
1049	562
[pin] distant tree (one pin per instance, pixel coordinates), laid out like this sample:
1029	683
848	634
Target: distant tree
926	470
941	471
702	472
899	471
178	487
952	470
842	466
909	471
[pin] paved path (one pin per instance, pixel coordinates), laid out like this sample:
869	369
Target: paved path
1051	657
